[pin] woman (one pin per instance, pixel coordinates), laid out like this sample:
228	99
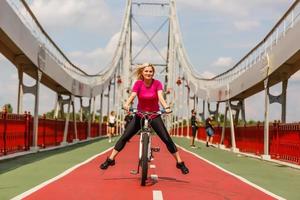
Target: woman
210	131
149	92
111	125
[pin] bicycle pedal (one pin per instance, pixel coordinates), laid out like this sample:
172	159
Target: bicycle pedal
155	149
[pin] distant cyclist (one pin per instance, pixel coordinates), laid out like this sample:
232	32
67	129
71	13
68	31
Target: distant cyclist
149	92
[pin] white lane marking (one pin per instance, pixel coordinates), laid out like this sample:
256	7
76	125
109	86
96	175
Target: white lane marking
237	176
32	190
152	166
157	195
154	177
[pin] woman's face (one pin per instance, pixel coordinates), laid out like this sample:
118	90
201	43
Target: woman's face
148	73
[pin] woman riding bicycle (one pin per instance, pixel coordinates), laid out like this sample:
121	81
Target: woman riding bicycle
149	92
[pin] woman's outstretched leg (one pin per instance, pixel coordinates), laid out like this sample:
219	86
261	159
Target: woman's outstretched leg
159	127
133	127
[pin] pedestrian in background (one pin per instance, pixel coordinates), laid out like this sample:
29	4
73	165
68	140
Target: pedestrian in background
210	131
195	127
111	125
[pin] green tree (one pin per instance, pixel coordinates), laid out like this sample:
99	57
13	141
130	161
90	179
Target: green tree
50	114
221	118
8	108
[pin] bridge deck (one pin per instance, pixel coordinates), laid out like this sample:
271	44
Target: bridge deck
21	174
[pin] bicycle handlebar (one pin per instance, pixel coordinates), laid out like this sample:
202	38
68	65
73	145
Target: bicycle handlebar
147	113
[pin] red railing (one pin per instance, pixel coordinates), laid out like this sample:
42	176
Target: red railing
284	139
16	132
16	135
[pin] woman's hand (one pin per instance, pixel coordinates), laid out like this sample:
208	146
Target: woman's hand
126	107
168	110
128	102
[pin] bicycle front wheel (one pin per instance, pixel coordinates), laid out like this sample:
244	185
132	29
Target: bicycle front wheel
144	158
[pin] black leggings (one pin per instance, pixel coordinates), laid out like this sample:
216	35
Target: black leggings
194	130
135	125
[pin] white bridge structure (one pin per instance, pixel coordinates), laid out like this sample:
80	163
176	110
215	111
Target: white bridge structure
26	44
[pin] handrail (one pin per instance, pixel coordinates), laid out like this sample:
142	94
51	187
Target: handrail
264	40
56	53
48	37
256	54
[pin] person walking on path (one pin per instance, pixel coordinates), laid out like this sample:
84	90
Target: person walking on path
210	131
195	127
111	125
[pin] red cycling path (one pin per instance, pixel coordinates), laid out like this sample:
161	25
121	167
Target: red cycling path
205	181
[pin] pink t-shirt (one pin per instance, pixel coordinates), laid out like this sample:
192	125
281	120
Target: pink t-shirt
147	96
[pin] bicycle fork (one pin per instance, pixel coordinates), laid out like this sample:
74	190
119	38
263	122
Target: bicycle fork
141	149
150	152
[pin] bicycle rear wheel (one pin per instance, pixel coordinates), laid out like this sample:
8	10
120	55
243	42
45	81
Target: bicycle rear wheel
144	158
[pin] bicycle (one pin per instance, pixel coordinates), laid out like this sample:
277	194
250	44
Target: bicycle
145	149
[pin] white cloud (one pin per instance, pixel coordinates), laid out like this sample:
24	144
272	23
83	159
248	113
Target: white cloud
229	6
207	74
91	15
246	25
223	62
234	8
97	59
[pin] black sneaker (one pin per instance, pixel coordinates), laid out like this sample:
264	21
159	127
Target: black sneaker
108	162
182	167
207	144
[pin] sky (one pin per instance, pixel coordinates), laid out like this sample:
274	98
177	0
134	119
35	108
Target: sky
216	35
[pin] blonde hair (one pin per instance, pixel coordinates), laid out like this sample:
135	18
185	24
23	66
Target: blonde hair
138	73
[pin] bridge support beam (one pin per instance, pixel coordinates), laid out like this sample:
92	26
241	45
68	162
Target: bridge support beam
202	114
188	116
233	144
70	102
20	92
239	108
108	99
223	128
101	113
269	99
211	112
228	108
34	90
93	109
59	106
281	99
74	118
64	142
87	110
36	111
266	155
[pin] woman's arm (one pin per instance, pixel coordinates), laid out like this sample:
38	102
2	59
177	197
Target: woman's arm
129	100
163	102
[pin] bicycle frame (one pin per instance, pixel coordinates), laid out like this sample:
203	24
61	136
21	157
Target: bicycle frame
145	139
145	130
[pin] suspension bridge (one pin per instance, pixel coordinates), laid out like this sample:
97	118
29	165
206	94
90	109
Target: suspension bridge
79	144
